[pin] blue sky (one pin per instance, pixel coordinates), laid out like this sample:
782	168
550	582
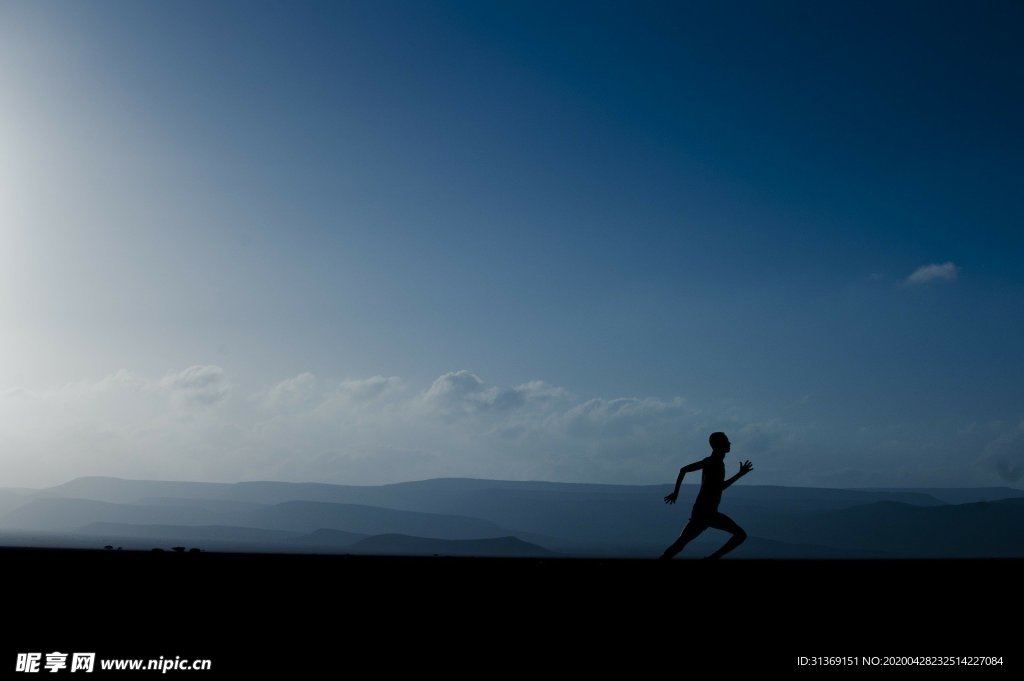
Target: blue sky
665	218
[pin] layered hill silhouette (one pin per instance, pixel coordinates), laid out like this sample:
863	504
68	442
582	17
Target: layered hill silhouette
511	518
56	514
400	544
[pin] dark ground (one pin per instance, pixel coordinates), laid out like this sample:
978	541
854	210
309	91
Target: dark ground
354	616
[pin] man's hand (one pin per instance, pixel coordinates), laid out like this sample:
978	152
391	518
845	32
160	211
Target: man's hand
746	467
671	498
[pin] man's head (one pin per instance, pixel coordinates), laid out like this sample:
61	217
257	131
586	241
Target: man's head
719	443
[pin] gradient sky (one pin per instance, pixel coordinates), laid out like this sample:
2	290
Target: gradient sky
381	241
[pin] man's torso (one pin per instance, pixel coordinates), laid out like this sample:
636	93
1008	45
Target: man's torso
712	479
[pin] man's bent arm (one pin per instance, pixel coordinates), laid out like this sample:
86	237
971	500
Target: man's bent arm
745	468
725	485
695	466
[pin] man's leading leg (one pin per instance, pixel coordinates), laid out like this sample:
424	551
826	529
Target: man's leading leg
720	521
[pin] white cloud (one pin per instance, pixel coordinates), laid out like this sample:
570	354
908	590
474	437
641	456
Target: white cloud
306	392
925	274
292	393
369	389
198	385
462	392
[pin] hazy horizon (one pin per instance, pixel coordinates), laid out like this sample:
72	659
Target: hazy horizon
363	243
509	518
692	482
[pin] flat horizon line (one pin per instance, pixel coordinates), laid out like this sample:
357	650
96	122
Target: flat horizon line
498	480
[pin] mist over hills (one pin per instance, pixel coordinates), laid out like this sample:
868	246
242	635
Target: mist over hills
510	518
404	545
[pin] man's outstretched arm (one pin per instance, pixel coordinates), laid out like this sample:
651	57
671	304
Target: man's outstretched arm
745	468
689	468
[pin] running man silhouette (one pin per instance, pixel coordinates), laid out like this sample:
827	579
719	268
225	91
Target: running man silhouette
705	512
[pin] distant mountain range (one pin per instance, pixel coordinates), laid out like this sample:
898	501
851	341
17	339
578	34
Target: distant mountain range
510	518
